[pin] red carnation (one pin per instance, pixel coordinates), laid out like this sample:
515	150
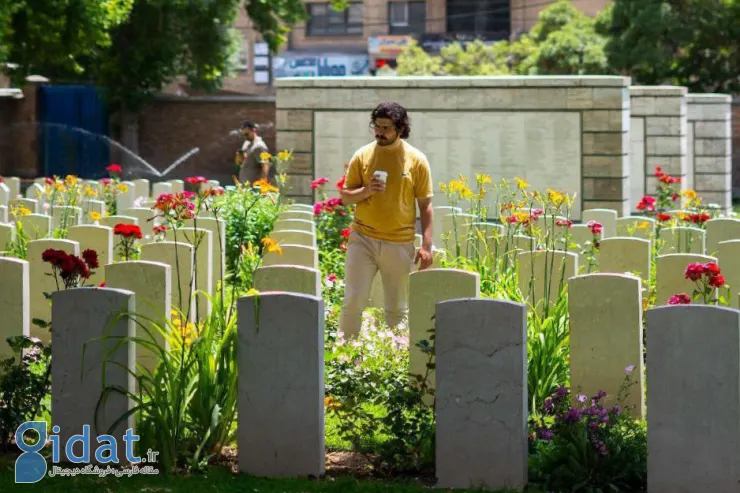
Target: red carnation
679	299
91	258
318	182
195	180
128	231
114	168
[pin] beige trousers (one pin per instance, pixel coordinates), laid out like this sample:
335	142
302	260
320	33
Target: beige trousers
365	257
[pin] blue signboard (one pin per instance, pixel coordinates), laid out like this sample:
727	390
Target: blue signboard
329	65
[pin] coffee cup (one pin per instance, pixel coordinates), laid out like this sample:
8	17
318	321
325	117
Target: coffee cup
381	175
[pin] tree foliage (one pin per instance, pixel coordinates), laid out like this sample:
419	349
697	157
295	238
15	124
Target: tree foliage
564	41
134	48
694	43
55	37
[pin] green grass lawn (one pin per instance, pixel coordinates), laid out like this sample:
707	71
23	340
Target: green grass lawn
219	479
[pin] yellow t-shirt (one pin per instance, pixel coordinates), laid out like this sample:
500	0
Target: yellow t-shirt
390	215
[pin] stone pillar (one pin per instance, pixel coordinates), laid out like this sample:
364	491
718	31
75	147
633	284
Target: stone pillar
25	148
658	138
710	148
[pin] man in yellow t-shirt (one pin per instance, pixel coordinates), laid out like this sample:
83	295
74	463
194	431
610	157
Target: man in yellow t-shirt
386	179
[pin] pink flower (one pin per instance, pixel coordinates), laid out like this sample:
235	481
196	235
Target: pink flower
318	182
596	227
628	370
679	299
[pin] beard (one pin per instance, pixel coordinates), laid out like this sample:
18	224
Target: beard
383	141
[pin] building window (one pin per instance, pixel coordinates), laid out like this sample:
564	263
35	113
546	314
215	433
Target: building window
490	19
407	17
325	21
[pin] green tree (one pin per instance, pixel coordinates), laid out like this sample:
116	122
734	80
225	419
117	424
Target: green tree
55	37
694	43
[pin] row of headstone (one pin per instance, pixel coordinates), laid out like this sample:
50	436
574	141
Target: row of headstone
295	267
480	369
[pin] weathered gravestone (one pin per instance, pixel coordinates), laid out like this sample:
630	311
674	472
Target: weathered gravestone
606	336
281	385
670	277
289	279
426	289
481	397
14	302
622	254
151	282
721	229
90	322
694	399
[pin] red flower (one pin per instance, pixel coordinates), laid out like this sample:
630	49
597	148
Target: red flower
331	277
105	181
679	299
159	229
675	197
700	218
1	179
346	232
101	285
596	227
114	168
48	181
564	222
717	281
317	208
662	216
340	183
694	271
195	180
318	182
647	203
511	219
128	231
54	257
712	268
91	258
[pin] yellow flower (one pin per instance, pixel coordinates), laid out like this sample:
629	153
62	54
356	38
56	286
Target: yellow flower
95	216
521	216
556	198
284	155
90	191
59	186
252	292
71	180
689	194
122	187
265	186
20	211
521	184
482	179
643	225
265	156
272	246
684	217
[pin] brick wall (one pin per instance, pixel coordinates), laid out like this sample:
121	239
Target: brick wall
171	127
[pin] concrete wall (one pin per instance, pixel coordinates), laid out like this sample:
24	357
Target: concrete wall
710	147
658	138
569	133
736	145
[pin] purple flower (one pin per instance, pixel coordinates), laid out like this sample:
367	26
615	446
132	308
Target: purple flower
581	398
561	392
548	405
600	395
629	370
544	434
572	416
601	447
617	410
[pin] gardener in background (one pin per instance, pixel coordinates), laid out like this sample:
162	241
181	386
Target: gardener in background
252	167
386	179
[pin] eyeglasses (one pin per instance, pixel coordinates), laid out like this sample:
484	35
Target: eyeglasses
383	128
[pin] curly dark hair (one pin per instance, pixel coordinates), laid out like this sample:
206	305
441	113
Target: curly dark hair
396	113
